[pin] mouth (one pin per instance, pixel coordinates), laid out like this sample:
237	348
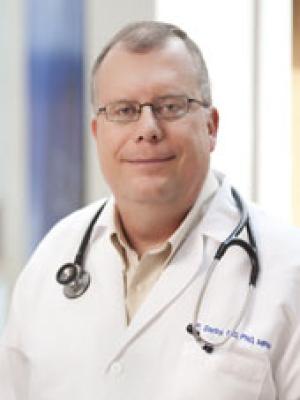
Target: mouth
150	160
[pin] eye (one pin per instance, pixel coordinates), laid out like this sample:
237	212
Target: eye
125	109
171	107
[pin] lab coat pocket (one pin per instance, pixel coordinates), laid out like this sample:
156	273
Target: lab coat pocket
226	374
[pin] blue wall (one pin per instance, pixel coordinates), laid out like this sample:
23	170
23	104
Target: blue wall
55	108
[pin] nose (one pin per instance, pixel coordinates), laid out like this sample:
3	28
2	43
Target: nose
148	127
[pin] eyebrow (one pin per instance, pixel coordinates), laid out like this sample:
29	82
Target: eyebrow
165	96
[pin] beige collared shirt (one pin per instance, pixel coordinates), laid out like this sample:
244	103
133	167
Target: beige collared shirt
140	274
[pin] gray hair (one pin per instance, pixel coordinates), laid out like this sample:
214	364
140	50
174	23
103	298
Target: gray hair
144	36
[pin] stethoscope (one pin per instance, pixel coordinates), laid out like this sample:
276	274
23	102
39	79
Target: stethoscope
76	279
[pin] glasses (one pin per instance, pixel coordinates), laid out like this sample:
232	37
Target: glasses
164	108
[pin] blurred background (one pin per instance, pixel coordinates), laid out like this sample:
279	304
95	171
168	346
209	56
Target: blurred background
48	164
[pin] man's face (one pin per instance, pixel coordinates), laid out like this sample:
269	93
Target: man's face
153	161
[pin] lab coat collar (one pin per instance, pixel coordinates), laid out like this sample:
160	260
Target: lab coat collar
222	214
105	220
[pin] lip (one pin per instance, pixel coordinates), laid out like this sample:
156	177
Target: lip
150	160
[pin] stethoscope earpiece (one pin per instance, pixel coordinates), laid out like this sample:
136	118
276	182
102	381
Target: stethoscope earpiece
208	347
190	329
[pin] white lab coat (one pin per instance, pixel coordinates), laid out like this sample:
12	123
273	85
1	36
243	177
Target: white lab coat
55	348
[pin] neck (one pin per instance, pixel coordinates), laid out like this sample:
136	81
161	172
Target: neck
147	226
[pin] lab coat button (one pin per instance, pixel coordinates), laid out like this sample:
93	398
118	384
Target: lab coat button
116	368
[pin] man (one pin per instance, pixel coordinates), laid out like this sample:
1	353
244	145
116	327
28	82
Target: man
150	256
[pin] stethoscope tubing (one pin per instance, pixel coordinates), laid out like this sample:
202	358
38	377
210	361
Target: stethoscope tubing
192	328
251	250
79	258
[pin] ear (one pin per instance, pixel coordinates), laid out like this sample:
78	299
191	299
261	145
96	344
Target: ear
213	125
94	126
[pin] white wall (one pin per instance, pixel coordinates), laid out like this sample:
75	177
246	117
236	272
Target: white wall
12	148
274	155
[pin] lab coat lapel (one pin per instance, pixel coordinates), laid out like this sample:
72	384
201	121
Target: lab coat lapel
111	282
110	297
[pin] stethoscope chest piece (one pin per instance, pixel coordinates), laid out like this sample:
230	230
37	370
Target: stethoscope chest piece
74	279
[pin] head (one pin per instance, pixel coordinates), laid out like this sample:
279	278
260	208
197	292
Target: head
141	37
153	160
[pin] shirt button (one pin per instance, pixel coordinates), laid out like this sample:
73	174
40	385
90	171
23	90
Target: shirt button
116	368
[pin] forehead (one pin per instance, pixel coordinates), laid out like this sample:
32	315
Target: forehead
169	69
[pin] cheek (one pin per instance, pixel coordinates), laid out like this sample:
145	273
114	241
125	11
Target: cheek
106	150
197	155
108	145
195	151
196	140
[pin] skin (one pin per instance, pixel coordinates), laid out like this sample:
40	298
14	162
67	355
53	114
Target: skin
155	169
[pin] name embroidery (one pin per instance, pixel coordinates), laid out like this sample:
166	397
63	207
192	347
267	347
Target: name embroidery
242	336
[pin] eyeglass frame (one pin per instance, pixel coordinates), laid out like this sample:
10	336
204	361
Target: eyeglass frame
188	100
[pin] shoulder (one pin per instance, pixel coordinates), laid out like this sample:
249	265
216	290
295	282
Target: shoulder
274	233
76	220
58	247
278	245
62	241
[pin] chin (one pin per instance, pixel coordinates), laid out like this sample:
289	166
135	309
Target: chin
151	195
